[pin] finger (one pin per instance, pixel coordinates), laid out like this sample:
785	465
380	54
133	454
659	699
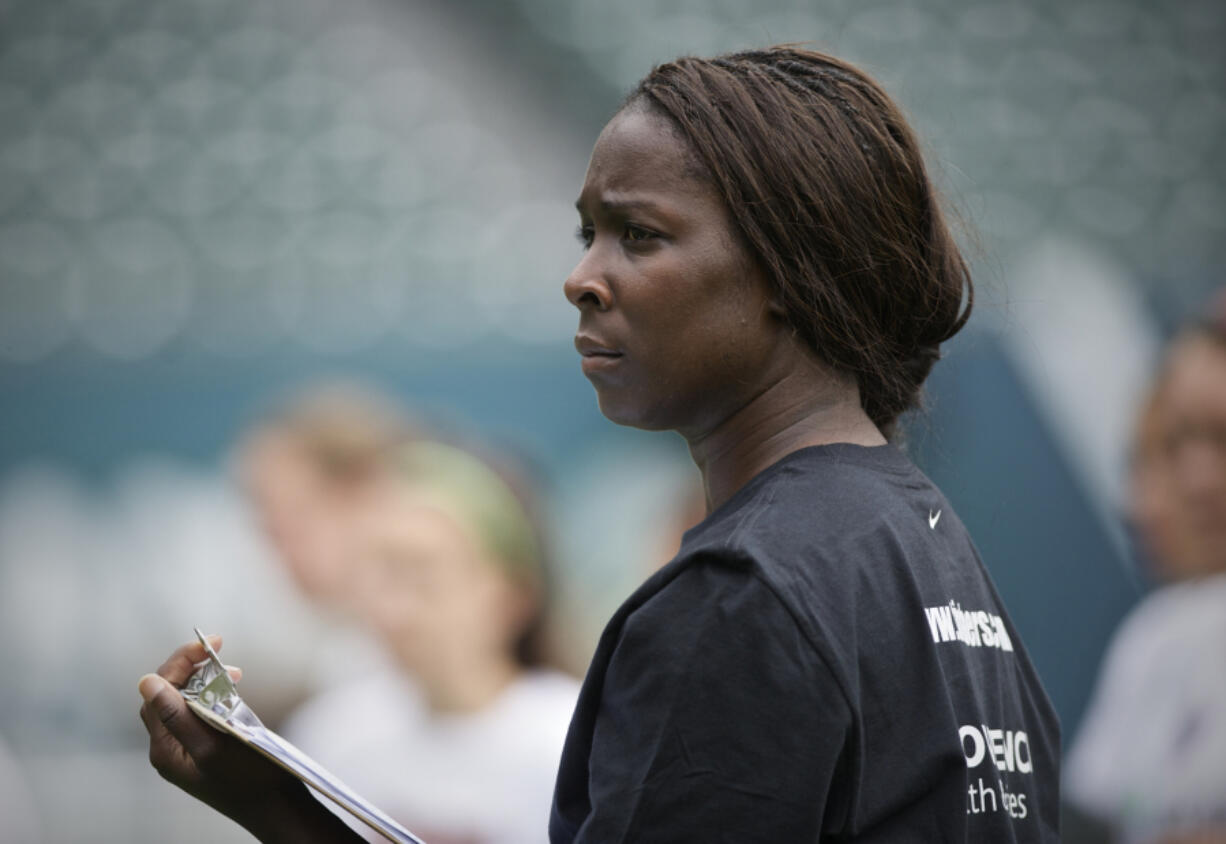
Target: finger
156	729
164	749
167	716
150	686
166	754
182	663
235	672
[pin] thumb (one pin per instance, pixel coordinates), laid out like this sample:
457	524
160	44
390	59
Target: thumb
150	686
161	697
167	712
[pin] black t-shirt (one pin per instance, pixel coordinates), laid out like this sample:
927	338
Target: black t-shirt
825	659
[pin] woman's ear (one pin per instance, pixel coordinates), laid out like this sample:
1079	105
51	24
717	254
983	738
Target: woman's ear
771	297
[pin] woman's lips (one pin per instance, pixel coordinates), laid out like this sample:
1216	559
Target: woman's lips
597	355
600	362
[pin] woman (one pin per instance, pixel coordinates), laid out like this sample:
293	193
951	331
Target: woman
767	272
459	738
308	471
1149	760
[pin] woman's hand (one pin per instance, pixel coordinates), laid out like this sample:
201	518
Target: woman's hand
221	771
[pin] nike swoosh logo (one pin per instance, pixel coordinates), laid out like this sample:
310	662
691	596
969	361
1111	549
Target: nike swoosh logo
932	520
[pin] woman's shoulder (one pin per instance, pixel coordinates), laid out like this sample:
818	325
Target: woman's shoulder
823	503
836	534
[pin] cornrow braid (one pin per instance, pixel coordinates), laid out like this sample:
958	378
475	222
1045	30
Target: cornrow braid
829	193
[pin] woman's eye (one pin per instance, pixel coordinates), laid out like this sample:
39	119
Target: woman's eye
630	234
636	234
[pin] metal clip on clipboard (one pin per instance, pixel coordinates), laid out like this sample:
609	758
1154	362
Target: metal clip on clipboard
213	696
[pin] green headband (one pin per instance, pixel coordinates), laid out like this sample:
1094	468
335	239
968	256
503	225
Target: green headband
479	498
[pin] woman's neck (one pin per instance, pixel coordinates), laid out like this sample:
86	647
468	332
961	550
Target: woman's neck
465	686
805	407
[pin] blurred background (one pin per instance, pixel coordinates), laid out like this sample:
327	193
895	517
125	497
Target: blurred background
205	204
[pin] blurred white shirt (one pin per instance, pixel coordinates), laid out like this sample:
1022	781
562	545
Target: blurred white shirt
1151	751
479	778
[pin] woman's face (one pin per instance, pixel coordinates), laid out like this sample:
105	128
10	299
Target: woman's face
676	328
431	590
307	518
1194	398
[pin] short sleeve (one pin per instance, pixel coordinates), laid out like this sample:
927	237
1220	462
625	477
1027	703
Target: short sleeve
717	721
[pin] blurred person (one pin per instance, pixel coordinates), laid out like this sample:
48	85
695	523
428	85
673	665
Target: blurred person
1149	762
310	469
1177	498
766	271
460	739
1150	508
1193	396
688	507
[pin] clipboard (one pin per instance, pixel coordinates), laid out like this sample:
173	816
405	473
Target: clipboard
212	695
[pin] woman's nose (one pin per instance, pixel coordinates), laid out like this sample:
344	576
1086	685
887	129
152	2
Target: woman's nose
586	286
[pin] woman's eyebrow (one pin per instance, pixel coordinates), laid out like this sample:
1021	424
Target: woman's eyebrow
620	204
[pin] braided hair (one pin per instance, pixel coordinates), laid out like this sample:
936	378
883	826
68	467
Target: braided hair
827	187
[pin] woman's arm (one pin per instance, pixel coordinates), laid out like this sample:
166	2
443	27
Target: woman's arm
714	723
222	772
